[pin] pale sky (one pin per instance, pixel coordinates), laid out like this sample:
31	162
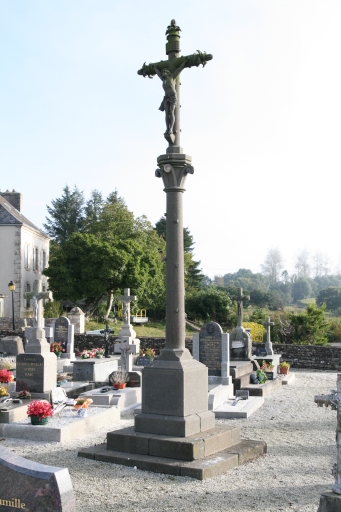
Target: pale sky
262	121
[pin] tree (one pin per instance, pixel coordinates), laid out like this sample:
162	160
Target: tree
93	209
321	264
331	297
301	289
302	264
211	304
273	264
307	328
66	215
118	251
193	274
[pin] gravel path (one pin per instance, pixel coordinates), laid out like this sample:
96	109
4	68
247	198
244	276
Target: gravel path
291	477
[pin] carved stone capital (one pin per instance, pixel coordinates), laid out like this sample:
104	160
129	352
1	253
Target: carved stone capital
173	169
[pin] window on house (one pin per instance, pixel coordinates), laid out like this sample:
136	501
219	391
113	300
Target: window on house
43	259
27	289
35	259
26	261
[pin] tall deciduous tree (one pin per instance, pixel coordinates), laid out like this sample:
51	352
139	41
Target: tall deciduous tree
273	264
66	215
302	264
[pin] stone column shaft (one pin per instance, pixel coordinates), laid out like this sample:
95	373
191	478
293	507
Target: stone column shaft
175	292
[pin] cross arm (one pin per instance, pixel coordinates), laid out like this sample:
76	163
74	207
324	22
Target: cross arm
187	62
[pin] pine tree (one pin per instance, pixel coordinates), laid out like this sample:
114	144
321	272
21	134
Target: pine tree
66	215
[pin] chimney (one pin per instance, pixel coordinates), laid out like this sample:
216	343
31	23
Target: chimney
14	198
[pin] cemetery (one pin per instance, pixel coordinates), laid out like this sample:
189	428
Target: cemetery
106	419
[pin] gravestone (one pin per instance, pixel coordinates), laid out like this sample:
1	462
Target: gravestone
240	339
129	344
64	334
77	319
28	485
210	347
11	345
268	344
37	367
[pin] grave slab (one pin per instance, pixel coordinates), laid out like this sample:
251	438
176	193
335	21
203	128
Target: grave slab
11	345
122	398
243	409
94	370
77	427
288	379
28	485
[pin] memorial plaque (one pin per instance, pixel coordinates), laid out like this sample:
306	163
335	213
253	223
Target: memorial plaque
28	485
61	332
143	361
210	353
30	372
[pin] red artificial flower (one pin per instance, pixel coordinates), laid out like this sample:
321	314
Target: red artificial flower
40	408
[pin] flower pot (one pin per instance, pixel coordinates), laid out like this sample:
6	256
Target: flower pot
58	354
284	370
120	385
35	420
99	356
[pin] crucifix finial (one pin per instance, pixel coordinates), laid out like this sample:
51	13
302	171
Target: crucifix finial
169	73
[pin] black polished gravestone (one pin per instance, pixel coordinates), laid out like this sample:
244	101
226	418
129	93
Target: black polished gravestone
210	353
61	332
27	485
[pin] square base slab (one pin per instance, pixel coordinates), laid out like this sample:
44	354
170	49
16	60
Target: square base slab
330	502
177	426
200	469
243	408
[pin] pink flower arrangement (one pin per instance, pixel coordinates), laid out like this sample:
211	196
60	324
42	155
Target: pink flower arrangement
56	347
267	367
6	376
86	354
39	408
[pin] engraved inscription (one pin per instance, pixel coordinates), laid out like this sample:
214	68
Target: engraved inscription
210	354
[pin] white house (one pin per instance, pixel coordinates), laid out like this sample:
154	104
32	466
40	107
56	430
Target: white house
24	253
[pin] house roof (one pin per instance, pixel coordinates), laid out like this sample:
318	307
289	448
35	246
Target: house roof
9	216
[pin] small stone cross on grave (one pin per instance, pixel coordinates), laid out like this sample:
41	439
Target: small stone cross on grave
107	331
239	299
129	344
268	344
36	296
334	400
126	299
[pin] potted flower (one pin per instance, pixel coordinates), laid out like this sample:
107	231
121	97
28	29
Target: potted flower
6	377
268	369
87	354
119	379
3	392
9	363
39	412
82	402
284	368
261	376
148	356
24	395
99	352
57	348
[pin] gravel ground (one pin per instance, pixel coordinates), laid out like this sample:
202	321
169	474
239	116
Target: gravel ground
290	477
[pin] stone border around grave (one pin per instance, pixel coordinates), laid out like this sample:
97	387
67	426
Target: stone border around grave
75	430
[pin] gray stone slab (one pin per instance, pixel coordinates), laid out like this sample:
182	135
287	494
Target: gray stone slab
28	485
94	370
329	502
11	345
243	409
79	427
200	469
122	398
13	412
288	379
264	389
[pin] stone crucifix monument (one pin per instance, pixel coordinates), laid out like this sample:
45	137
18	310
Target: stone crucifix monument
175	422
129	344
37	367
240	340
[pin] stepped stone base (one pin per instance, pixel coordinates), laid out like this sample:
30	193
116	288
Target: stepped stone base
330	502
240	372
200	456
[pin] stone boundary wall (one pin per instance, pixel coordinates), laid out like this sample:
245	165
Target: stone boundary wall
88	341
299	356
